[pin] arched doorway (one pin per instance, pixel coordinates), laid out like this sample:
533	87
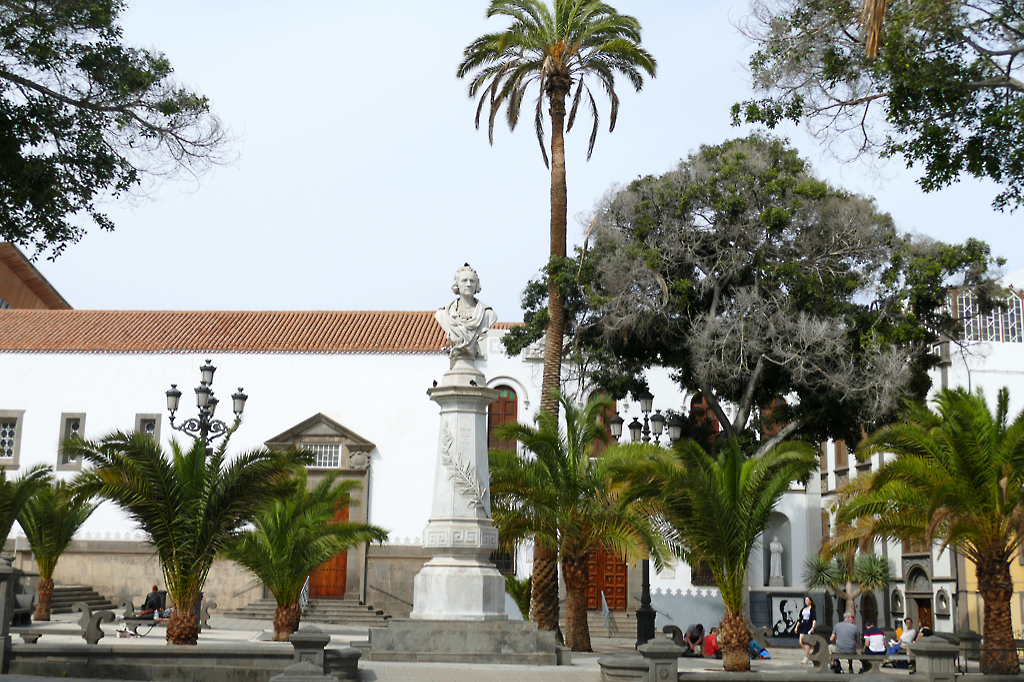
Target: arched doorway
919	597
504	410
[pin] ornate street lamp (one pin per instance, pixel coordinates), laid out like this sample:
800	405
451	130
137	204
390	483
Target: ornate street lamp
204	426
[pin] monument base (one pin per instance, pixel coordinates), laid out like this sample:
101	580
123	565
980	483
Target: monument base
448	641
776	581
450	588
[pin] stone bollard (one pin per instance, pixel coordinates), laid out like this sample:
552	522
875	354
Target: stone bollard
309	664
662	657
970	644
936	659
9	576
86	611
204	613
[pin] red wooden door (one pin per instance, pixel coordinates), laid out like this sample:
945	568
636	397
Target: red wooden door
608	575
327	581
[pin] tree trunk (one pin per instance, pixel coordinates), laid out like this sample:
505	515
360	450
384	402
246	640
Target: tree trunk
735	641
286	621
559	199
45	597
998	652
577	575
183	627
544	597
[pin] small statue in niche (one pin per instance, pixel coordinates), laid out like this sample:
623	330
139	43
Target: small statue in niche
466	319
775	567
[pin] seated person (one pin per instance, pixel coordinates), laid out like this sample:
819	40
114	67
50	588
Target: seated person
153	603
711	648
844	637
874	640
693	640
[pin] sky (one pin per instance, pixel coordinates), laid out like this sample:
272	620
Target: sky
360	183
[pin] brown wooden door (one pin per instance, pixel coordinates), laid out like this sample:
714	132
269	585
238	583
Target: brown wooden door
608	575
504	410
924	613
327	581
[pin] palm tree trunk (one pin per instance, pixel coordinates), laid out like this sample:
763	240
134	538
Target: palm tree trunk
559	201
735	641
544	597
45	597
998	652
286	621
183	627
577	575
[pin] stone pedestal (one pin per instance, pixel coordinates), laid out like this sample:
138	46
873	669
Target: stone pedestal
776	581
460	582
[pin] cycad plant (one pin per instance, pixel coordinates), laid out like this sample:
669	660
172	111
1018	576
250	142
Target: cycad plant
563	498
291	536
190	502
718	506
50	520
956	476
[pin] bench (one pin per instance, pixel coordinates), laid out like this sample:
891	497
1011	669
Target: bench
821	658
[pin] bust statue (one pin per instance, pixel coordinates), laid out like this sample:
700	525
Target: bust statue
465	319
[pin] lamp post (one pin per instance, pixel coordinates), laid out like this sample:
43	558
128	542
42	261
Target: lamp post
205	426
645	615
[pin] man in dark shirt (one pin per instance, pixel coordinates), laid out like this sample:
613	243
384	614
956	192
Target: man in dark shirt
694	640
152	603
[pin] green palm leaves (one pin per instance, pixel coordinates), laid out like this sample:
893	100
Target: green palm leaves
716	508
957	477
293	535
190	504
849	575
568	501
556	51
15	494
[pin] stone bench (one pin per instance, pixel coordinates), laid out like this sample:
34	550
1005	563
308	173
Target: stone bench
821	658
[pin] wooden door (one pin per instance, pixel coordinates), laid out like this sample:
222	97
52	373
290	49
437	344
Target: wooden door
504	410
924	613
608	575
327	581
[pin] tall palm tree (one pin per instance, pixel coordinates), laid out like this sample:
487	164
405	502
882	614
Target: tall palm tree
15	494
957	477
718	506
293	535
190	503
50	520
557	49
568	501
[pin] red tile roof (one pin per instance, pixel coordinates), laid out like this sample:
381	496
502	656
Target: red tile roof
167	331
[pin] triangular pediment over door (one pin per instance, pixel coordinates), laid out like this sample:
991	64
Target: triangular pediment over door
336	445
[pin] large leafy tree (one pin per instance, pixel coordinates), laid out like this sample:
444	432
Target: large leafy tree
555	52
15	494
752	279
957	477
565	498
190	502
291	536
938	82
718	506
50	519
83	117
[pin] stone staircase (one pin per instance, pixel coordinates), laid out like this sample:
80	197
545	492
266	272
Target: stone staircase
620	623
66	595
347	611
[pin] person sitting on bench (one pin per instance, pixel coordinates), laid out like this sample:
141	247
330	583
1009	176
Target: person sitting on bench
153	604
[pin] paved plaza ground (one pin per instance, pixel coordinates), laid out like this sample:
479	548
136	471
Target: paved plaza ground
584	667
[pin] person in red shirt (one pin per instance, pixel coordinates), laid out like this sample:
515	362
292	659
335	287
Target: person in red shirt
711	648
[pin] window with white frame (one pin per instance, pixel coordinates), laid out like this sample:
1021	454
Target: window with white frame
1001	325
72	425
328	455
10	437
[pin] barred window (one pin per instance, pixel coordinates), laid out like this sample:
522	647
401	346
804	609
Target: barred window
1002	325
8	430
4	305
328	455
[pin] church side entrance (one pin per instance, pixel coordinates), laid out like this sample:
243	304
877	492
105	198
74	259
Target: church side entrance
327	581
608	575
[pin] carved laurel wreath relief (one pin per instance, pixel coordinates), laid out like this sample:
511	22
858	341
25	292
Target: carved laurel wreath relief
463	473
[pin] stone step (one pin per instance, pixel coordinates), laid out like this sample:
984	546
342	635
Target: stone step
65	596
318	610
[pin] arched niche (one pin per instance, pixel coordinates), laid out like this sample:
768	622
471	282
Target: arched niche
778	526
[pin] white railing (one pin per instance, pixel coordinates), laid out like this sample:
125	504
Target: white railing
304	596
